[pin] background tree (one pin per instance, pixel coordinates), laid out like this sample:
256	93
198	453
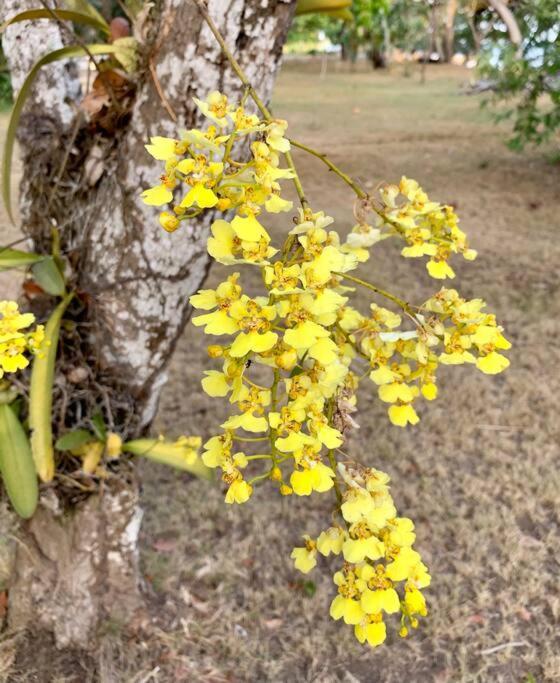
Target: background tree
525	75
84	164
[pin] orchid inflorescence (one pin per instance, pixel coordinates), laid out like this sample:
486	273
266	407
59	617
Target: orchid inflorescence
303	332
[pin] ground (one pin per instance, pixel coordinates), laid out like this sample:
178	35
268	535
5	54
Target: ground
479	474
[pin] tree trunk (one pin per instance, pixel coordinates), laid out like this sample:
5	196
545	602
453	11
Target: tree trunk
449	42
133	280
75	570
507	16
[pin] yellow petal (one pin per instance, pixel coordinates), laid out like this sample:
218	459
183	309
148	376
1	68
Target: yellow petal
249	229
402	415
440	270
215	384
156	196
493	363
161	148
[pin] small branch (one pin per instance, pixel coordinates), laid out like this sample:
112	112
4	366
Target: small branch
332	456
252	92
64	26
324	158
382	292
168	108
77	123
504	646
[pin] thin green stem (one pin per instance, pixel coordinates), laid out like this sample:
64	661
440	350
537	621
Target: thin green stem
254	384
267	115
332	456
264	475
362	194
382	292
250	439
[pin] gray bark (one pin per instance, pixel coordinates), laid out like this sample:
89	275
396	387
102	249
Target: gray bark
137	277
75	568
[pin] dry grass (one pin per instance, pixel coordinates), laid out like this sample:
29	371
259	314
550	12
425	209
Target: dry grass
479	474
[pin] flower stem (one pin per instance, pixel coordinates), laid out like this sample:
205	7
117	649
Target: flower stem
325	159
331	455
382	292
251	439
249	88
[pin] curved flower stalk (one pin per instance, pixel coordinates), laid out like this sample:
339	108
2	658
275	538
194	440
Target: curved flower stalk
317	348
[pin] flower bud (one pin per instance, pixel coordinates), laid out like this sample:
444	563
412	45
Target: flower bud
168	221
286	360
276	474
223	204
215	351
286	490
113	445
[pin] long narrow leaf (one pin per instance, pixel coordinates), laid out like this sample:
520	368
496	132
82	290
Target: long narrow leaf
16	464
309	6
40	395
48	276
342	14
84	7
14	258
62	53
166	453
62	14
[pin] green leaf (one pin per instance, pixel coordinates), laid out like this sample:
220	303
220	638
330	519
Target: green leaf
48	277
308	6
62	14
309	588
99	428
41	395
16	464
166	453
14	258
344	14
67	52
84	7
127	53
74	439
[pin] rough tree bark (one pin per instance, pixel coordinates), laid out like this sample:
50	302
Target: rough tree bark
134	279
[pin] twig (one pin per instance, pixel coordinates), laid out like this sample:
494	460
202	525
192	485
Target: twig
5	247
159	89
252	92
86	49
504	646
325	159
382	292
64	161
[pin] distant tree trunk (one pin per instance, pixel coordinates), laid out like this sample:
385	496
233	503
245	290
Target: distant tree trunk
507	16
132	278
387	47
471	18
451	11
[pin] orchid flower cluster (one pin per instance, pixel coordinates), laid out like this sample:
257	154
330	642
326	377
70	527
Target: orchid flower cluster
17	340
313	348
